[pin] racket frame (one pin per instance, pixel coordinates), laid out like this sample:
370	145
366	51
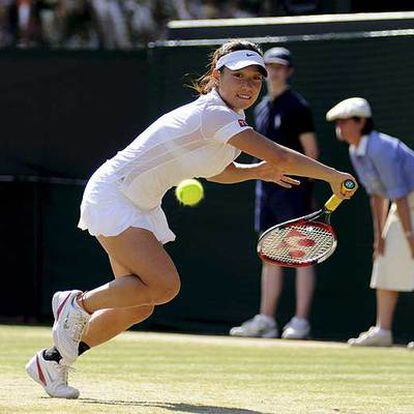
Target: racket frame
313	218
324	214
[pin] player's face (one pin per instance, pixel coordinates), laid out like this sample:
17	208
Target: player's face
278	74
240	88
349	130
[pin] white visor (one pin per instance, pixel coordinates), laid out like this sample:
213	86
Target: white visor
241	59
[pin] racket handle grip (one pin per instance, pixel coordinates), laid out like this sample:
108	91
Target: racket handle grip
334	201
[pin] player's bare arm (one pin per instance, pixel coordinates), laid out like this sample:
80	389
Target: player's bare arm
290	161
236	173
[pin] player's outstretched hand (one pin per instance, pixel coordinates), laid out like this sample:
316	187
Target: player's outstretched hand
341	184
268	172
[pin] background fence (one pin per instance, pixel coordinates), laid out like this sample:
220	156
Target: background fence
64	113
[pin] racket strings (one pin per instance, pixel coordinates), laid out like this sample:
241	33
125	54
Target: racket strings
298	243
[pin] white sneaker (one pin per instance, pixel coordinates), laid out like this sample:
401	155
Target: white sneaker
410	345
52	376
260	326
296	328
372	338
70	323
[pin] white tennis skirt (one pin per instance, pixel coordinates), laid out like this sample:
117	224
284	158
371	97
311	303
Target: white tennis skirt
395	269
106	211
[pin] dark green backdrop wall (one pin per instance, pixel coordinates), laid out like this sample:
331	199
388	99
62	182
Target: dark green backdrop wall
64	113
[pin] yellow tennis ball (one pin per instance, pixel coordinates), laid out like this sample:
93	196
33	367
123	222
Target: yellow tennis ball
189	192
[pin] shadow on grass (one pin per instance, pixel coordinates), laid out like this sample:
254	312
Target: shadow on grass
178	407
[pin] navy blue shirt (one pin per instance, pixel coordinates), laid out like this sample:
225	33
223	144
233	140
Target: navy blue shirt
282	120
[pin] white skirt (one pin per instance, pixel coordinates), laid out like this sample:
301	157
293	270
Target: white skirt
106	211
395	269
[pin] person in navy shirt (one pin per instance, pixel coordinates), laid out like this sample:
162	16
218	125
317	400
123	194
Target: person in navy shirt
283	116
385	168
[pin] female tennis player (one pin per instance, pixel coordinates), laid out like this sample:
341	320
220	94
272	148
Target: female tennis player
121	205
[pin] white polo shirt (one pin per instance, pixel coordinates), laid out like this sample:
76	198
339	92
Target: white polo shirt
190	141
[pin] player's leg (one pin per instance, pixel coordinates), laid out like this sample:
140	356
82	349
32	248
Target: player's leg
299	327
107	323
49	369
152	279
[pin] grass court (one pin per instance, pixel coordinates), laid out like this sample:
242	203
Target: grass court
157	373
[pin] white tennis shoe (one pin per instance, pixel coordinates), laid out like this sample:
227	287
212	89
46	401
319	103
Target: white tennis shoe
260	326
52	376
373	337
296	328
70	323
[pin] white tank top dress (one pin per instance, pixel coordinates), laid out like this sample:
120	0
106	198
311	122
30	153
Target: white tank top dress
188	142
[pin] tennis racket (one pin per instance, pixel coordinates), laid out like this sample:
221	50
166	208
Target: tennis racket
303	241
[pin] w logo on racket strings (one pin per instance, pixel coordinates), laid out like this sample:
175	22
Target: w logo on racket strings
294	239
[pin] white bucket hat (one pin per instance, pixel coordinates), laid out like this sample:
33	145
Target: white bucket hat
348	108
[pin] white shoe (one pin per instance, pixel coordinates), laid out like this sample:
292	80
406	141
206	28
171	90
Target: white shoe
372	338
410	345
52	376
260	326
296	328
70	323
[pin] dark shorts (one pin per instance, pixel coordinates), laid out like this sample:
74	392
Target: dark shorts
275	204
